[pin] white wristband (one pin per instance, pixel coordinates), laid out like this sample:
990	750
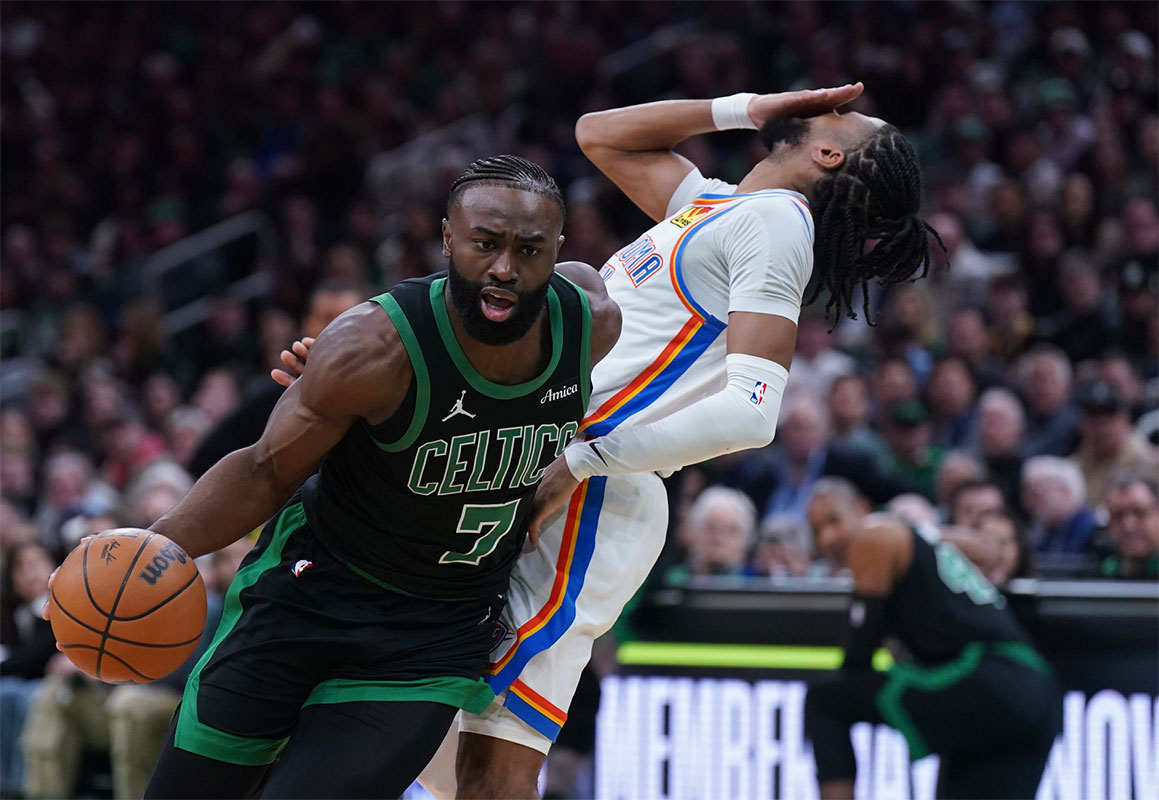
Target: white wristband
732	112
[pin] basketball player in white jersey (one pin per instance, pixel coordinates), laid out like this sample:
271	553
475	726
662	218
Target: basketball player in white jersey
710	298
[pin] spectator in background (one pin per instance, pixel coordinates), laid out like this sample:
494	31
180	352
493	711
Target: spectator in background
1136	273
68	484
1085	327
1044	381
968	338
849	417
913	459
1013	557
1011	324
184	429
950	394
893	381
972	499
784	548
1077	212
1116	370
964	283
1053	492
1001	423
156	490
217	394
719	531
816	362
958	468
53	414
1107	442
129	446
18	477
1133	525
160	396
908	319
28	644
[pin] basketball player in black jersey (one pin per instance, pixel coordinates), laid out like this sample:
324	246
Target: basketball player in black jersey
362	619
972	690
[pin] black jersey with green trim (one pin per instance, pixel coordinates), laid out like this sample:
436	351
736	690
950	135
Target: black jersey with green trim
942	603
434	501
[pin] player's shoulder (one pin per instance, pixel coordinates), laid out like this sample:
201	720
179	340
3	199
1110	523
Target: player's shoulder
353	358
363	338
780	205
879	530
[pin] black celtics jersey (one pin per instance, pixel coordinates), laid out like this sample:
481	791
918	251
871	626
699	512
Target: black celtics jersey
435	500
942	603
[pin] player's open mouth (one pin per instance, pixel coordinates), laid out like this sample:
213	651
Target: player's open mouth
497	304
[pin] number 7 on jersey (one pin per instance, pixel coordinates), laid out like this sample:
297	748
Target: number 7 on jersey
490	522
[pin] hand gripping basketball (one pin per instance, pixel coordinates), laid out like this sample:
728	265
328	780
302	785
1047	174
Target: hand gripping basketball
127	606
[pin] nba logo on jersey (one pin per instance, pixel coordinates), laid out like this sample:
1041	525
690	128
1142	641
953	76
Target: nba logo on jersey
758	393
301	566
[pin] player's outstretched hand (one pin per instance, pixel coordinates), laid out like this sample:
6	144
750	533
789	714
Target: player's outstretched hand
805	103
557	486
295	361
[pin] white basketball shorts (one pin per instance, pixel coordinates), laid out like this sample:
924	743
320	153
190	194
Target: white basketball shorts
591	559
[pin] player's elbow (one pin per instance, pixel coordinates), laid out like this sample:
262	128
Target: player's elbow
751	429
592	134
762	433
586	132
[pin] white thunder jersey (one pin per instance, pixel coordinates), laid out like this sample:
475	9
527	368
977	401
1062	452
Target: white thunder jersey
716	252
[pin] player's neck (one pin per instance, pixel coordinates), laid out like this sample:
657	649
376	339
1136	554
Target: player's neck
782	174
507	364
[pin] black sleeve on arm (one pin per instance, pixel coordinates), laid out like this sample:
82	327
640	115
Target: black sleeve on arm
864	632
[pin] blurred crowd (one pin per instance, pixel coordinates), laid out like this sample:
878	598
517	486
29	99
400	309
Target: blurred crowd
1015	392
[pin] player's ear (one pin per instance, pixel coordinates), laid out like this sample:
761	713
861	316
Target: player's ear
828	155
559	244
446	238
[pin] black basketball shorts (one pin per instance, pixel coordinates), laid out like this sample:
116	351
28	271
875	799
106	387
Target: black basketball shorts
299	627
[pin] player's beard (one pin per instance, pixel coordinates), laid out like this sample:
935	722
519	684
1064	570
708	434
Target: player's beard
466	297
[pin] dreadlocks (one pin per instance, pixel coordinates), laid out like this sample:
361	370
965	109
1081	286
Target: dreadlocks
875	194
518	172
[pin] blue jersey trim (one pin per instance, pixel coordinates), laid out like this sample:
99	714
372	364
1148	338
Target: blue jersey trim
563	617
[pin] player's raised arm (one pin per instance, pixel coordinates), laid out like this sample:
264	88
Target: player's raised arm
358	368
633	145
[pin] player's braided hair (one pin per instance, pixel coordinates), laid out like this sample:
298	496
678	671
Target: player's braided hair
875	194
514	170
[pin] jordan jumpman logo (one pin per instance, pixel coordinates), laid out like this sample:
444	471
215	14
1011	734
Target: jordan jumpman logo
457	408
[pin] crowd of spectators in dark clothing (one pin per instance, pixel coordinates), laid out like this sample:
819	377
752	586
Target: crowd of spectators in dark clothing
1015	392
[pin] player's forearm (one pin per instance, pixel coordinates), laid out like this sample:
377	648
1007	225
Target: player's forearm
648	127
741	416
237	495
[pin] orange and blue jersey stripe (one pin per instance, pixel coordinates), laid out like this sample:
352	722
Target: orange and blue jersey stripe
557	614
534	709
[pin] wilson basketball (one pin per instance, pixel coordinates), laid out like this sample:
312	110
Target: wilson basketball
128	606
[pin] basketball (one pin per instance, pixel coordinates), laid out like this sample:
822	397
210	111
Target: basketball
128	606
